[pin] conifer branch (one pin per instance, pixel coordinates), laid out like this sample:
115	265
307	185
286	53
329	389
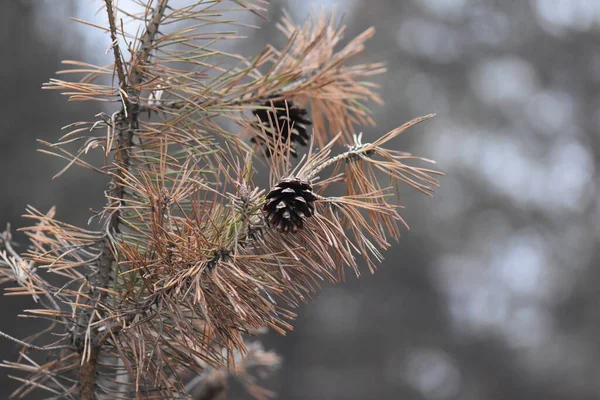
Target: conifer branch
126	123
112	22
193	256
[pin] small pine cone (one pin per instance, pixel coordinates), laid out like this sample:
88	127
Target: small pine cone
290	120
288	204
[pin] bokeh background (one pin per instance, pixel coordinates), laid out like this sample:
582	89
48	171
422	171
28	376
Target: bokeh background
495	292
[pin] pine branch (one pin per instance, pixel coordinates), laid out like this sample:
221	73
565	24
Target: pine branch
117	53
194	256
126	123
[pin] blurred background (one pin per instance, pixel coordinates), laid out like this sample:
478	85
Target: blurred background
494	293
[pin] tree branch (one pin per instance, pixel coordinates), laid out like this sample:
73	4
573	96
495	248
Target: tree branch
125	126
117	51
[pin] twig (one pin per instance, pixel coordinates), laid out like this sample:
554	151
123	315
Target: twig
147	40
117	52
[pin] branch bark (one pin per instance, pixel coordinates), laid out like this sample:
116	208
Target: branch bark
126	124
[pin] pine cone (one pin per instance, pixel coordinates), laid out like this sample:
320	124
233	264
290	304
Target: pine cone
288	119
288	204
